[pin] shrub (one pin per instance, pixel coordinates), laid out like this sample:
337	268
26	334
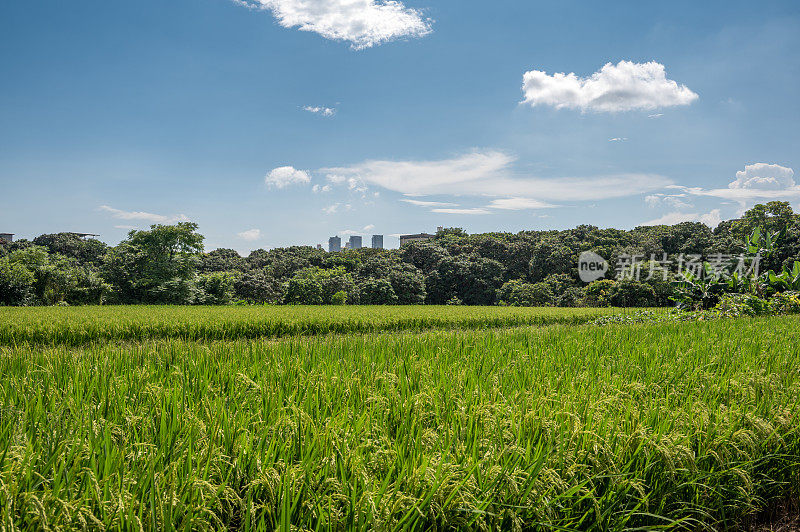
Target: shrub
598	293
632	293
785	303
339	298
736	305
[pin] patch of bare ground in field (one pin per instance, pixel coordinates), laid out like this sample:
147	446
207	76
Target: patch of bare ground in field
784	517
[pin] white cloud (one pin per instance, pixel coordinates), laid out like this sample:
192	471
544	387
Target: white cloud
286	175
490	173
348	232
362	23
626	86
618	139
250	235
478	210
324	111
674	201
332	209
764	176
317	189
336	179
656	115
420	203
712	219
518	204
143	216
125	227
758	181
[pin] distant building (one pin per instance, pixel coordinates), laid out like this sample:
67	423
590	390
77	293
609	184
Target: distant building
319	246
420	237
7	237
377	241
334	244
355	242
83	236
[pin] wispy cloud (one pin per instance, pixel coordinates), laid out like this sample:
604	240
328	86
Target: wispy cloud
470	211
491	173
626	86
143	216
250	235
421	203
518	204
618	139
362	23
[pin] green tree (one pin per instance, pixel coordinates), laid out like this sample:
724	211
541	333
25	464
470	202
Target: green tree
156	266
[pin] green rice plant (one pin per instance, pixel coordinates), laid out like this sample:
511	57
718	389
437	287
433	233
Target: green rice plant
81	325
621	427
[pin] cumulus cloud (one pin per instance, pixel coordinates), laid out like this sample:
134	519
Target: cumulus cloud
143	216
758	181
626	86
250	235
490	173
324	111
284	176
332	209
764	176
317	189
711	219
518	204
362	23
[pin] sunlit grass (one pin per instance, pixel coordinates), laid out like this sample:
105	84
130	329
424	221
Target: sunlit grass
80	325
678	425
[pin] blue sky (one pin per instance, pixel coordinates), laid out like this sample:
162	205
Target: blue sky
279	122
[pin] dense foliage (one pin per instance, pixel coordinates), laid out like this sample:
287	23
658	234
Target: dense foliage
167	265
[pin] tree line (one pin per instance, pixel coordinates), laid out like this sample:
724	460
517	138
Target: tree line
167	264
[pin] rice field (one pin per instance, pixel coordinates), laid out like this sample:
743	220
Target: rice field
81	325
685	426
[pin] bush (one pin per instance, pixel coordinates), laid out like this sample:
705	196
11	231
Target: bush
339	298
632	293
598	293
737	305
785	303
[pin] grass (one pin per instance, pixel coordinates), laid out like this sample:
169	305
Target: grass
81	325
621	427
